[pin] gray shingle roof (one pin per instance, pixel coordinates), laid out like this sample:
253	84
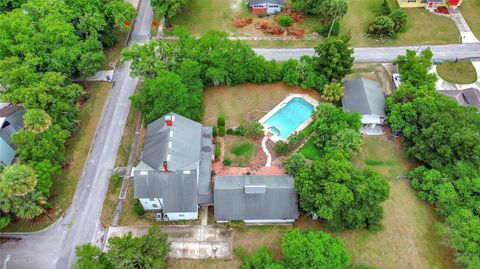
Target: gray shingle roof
467	97
259	2
205	193
178	190
179	144
363	96
255	198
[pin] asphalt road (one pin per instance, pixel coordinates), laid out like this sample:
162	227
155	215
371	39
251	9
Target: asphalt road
55	247
383	54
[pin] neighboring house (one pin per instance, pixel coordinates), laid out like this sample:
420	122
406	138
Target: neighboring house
365	97
255	199
467	97
11	121
174	173
266	6
428	3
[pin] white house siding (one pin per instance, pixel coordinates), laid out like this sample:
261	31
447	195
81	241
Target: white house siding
180	216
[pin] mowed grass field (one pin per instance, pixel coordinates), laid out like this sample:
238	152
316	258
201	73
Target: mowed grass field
246	102
462	72
471	12
423	28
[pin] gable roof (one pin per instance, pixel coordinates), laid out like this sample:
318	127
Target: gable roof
467	97
179	144
259	2
11	121
255	198
178	190
363	96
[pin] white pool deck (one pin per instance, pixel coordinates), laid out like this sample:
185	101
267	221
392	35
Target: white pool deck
276	138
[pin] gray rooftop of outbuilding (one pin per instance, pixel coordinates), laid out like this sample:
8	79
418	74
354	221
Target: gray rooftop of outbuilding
255	198
259	2
467	97
363	96
179	144
178	189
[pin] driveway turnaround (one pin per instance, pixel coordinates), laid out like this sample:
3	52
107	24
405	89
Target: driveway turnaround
188	241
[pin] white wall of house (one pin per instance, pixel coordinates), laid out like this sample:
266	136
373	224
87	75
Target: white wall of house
151	203
180	216
372	119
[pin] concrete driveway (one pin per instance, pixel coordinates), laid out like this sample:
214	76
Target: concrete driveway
187	242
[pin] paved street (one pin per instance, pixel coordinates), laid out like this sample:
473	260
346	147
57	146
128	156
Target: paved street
54	247
383	54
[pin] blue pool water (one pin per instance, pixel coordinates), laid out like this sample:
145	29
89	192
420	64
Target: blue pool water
289	117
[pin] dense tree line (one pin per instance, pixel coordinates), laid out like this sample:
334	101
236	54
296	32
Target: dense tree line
42	44
177	73
444	137
148	251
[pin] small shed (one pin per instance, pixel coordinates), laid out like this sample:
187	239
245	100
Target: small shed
255	199
365	97
268	7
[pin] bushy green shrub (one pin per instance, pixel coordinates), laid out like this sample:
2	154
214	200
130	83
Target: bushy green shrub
221	131
221	121
295	163
325	28
240	130
281	147
138	209
255	130
260	14
382	25
295	140
285	20
230	131
218	150
227	162
214	131
4	221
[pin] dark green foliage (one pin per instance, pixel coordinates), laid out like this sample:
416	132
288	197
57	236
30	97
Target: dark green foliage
334	58
254	130
260	14
45	171
327	27
295	163
169	7
382	25
221	121
148	251
285	20
230	131
261	259
442	135
138	208
227	162
221	131
388	22
295	140
4	221
281	147
385	9
399	18
214	131
313	249
218	150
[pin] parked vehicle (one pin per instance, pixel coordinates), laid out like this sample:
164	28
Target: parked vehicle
396	80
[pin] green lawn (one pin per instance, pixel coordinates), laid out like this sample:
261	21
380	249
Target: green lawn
310	151
471	12
240	150
423	28
462	72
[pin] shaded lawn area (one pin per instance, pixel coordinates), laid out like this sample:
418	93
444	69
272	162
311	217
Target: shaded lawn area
112	54
310	150
240	150
471	12
246	102
422	28
462	72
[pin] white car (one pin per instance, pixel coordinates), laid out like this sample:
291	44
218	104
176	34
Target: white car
396	80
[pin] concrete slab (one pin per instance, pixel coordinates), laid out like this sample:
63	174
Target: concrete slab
187	242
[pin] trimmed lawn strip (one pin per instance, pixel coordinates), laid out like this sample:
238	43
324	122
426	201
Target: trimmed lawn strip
461	72
244	148
111	199
239	150
282	43
310	151
471	12
422	28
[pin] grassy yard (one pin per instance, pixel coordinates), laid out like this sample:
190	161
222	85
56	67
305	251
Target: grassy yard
246	102
423	28
462	72
471	12
310	151
240	150
112	54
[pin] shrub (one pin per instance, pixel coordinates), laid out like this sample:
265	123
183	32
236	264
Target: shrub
227	162
231	131
255	129
4	221
295	163
218	150
281	147
325	28
240	130
221	122
214	131
382	25
221	131
399	18
295	140
138	209
385	10
260	14
285	21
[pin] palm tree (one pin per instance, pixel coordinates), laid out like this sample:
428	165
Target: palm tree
36	120
28	206
333	92
17	180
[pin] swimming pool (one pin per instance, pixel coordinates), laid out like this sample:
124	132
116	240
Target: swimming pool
289	117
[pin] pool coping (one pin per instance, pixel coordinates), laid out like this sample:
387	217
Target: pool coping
306	97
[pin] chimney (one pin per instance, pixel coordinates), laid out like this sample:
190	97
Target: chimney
165	166
169	120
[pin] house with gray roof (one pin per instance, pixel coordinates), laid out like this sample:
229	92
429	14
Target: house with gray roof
11	121
255	199
366	97
266	6
173	176
466	97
